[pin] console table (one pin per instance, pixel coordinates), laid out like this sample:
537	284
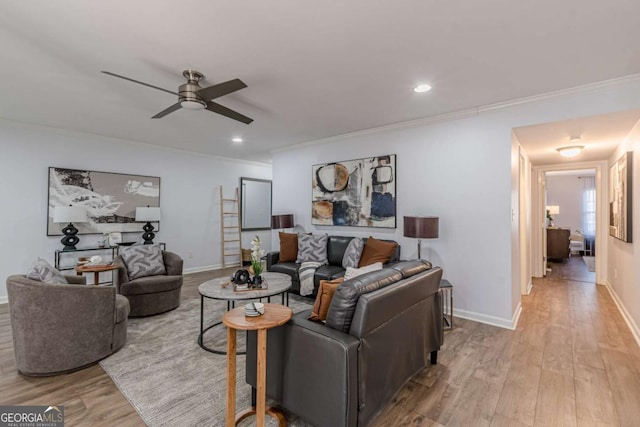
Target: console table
446	289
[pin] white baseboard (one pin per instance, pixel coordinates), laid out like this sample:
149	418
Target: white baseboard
529	287
4	300
201	269
490	320
625	314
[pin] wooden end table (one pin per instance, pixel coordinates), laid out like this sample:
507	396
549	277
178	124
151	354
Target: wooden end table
95	269
274	315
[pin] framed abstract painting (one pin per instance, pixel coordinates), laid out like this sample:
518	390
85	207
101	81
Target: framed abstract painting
355	193
620	193
110	199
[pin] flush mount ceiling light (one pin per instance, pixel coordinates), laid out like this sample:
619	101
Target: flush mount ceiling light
422	88
572	151
237	140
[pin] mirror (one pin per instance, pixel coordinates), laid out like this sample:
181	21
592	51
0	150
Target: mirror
255	204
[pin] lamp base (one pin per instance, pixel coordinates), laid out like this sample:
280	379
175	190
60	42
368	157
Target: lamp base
70	240
148	234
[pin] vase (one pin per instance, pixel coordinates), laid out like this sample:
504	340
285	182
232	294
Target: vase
257	281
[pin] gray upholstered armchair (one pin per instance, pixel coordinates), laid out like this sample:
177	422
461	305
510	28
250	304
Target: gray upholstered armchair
62	328
151	295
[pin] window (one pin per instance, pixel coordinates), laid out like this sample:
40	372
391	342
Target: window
589	206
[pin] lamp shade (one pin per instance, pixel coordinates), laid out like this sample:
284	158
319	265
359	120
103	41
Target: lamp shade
422	227
69	214
282	221
553	209
147	214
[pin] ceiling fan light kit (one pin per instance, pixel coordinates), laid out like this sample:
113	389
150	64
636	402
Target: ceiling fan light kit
192	96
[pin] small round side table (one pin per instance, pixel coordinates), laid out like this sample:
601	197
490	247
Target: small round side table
274	315
95	269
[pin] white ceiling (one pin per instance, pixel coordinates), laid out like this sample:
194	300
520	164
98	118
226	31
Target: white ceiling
599	135
314	69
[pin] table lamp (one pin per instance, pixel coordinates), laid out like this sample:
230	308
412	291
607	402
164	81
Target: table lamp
421	228
69	214
148	214
282	221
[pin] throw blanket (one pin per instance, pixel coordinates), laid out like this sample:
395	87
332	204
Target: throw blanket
305	274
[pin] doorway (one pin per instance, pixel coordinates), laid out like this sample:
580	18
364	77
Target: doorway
570	211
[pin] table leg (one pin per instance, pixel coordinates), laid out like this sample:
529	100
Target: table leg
231	378
96	278
262	377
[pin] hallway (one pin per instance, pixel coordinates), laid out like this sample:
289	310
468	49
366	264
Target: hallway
573	268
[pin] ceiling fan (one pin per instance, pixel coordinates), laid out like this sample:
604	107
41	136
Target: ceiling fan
193	97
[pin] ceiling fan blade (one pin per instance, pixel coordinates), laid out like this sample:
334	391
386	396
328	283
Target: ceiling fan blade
140	83
216	91
220	109
161	114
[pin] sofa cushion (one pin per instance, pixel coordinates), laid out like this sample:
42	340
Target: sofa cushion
346	297
122	308
290	268
328	272
312	248
151	284
325	294
411	268
353	253
336	246
143	260
350	273
377	251
44	272
288	247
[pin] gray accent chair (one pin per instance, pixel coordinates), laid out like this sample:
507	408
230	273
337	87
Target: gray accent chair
63	328
151	295
382	328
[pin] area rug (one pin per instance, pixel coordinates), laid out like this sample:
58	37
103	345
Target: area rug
591	262
169	379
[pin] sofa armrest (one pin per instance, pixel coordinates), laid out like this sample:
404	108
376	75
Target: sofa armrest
120	275
173	263
312	370
272	258
75	279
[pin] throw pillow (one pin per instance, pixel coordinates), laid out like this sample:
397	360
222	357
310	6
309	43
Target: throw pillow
325	294
353	253
143	260
377	251
288	247
355	272
44	272
312	248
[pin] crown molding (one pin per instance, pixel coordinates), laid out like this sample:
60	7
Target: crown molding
470	112
147	145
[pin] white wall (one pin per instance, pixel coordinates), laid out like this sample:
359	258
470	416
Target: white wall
566	192
459	170
624	258
189	192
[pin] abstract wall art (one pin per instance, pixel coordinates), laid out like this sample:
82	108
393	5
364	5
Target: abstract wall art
620	193
356	193
110	199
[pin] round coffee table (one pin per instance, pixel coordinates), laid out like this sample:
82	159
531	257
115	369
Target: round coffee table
277	284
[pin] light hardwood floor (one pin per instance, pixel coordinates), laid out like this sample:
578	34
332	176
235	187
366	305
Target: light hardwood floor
571	361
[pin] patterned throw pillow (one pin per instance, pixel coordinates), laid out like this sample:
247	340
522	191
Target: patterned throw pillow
353	252
44	272
312	248
143	260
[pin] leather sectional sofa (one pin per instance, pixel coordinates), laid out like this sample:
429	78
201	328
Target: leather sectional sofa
336	246
381	329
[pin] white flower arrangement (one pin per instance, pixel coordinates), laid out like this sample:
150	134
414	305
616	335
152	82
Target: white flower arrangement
256	255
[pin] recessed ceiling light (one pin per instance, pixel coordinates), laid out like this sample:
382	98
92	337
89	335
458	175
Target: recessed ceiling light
570	151
422	88
237	140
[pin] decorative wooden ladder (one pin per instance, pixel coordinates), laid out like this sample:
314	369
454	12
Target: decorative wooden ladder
230	233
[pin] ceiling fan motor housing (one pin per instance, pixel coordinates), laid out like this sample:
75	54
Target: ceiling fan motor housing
187	91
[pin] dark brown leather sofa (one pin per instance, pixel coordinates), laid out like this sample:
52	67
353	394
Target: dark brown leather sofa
336	246
381	329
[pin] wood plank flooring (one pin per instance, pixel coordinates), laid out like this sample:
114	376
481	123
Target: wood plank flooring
572	361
